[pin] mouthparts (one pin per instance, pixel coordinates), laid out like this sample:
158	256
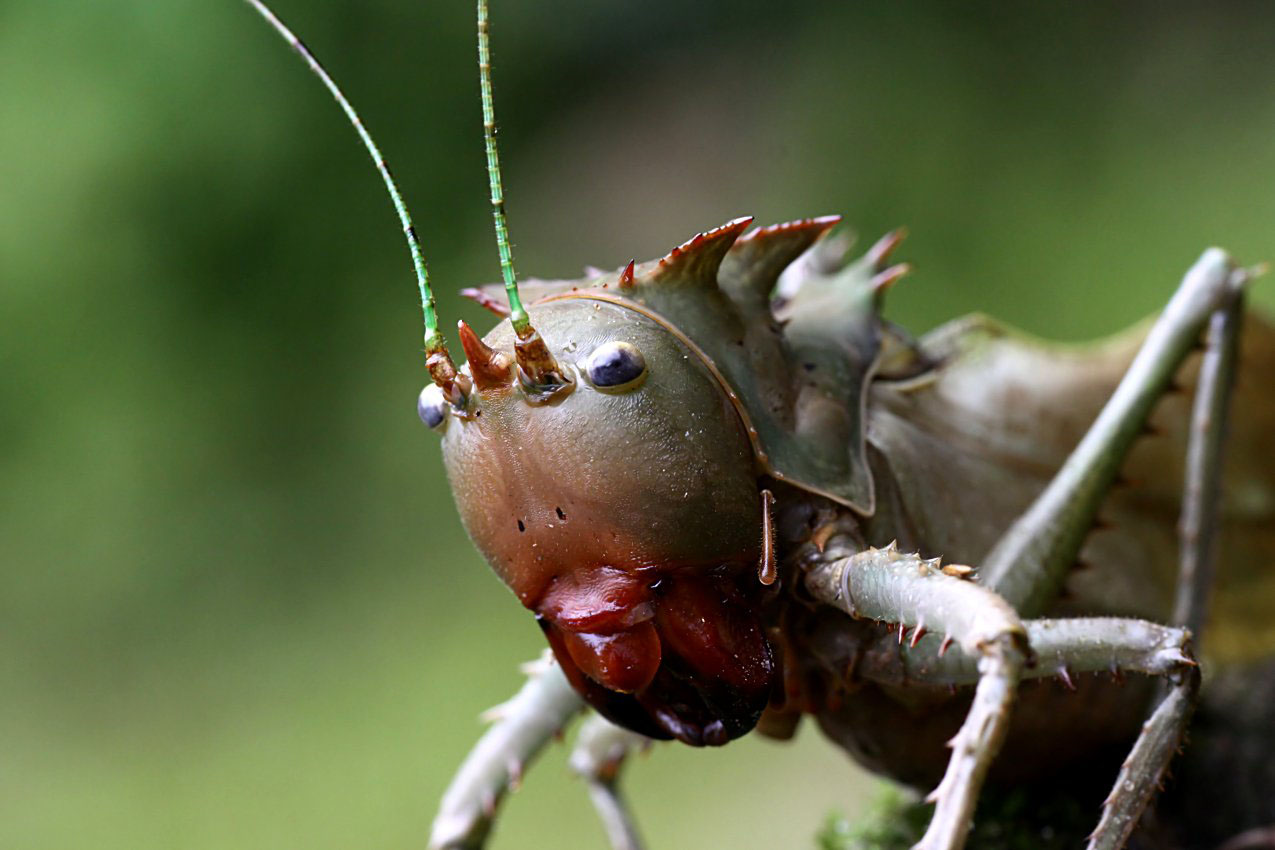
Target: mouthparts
678	654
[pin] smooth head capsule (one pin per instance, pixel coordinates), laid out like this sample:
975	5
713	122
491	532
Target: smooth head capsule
626	515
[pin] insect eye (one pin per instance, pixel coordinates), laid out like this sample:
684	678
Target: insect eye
615	365
431	406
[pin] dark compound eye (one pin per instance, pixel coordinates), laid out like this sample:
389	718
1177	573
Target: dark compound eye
431	406
615	364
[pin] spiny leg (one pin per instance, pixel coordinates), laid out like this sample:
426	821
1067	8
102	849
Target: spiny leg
884	584
1163	732
1147	763
1091	645
1200	503
1060	647
1028	564
519	731
598	757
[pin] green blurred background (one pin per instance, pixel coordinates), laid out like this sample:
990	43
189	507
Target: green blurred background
236	606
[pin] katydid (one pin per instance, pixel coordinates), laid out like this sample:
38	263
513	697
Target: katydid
733	496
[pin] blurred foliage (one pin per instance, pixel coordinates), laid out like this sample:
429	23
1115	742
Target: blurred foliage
237	606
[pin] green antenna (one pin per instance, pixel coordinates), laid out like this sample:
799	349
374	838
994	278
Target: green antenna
517	315
435	344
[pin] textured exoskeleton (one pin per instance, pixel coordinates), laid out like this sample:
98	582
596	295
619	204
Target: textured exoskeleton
936	444
633	522
726	487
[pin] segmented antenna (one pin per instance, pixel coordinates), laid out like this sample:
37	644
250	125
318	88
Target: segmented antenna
540	372
517	315
441	367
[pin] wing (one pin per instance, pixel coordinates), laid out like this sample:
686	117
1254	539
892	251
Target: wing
966	446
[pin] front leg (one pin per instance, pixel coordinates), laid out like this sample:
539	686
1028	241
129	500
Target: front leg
990	647
886	585
1090	645
599	754
520	729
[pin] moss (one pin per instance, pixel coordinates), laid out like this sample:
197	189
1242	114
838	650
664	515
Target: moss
894	820
1016	819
